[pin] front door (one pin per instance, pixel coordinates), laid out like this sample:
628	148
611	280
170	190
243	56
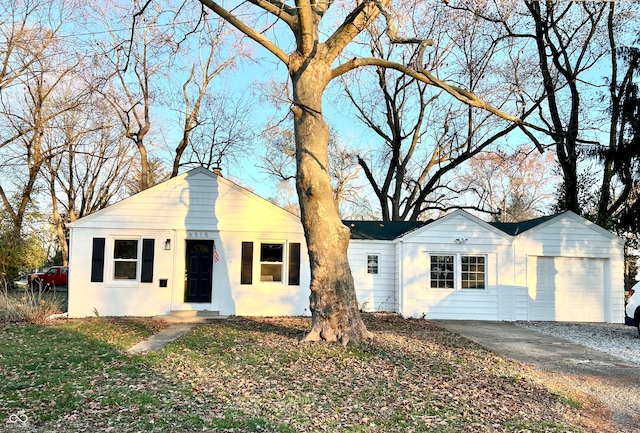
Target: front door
199	271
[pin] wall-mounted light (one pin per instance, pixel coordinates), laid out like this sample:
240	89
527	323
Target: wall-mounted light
167	245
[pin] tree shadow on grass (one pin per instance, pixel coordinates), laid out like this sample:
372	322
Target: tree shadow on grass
289	327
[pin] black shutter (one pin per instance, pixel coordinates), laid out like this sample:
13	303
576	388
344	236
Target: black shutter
294	264
246	265
97	260
148	246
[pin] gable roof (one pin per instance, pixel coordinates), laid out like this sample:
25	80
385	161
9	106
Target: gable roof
514	229
198	172
577	218
381	230
459	213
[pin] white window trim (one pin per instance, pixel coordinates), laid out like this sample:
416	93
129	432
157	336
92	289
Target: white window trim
457	271
257	263
110	280
366	264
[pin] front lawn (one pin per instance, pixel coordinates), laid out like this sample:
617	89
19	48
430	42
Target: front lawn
250	375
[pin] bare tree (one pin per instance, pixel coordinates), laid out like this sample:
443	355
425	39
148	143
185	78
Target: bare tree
279	162
223	132
25	39
36	67
574	42
311	67
134	59
90	167
424	135
566	37
196	96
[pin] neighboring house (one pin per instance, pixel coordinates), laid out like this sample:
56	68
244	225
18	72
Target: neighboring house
201	242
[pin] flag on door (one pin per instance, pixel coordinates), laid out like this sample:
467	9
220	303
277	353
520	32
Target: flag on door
216	258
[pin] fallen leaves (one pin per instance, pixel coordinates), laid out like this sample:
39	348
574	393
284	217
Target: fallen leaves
251	374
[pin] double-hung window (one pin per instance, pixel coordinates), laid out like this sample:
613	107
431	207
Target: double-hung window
442	271
457	271
271	262
275	262
125	259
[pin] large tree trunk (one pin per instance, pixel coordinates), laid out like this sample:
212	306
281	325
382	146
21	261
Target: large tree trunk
334	308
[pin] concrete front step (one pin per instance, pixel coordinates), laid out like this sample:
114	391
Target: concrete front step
194	313
190	316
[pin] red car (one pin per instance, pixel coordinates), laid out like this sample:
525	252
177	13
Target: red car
53	277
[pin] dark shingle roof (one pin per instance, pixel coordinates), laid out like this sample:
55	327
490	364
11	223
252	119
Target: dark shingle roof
381	230
517	228
389	230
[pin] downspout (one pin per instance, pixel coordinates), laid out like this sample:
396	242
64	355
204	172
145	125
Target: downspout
70	275
513	279
400	278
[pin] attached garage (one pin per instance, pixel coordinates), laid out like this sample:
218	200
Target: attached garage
572	270
554	268
567	289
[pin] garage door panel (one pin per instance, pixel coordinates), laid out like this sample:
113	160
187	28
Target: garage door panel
566	289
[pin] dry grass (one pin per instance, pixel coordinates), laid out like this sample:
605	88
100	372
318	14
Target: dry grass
32	305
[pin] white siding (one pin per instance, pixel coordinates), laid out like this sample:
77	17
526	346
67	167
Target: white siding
195	200
457	234
199	204
116	298
374	292
262	298
195	204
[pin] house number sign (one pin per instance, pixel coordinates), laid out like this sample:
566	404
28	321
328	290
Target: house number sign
199	235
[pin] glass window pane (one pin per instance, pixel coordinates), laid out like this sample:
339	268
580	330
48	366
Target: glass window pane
270	272
125	249
473	272
125	270
372	264
442	272
271	262
271	252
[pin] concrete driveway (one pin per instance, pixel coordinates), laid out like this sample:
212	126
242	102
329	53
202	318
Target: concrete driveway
609	380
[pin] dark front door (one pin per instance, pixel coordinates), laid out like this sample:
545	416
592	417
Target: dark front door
199	272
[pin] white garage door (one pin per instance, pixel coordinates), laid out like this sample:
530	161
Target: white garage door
566	289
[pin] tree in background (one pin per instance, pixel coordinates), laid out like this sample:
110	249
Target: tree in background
92	165
574	42
36	66
133	61
19	252
514	186
224	132
279	162
201	109
619	205
425	135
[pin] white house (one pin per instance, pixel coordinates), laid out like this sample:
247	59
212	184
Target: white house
201	242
